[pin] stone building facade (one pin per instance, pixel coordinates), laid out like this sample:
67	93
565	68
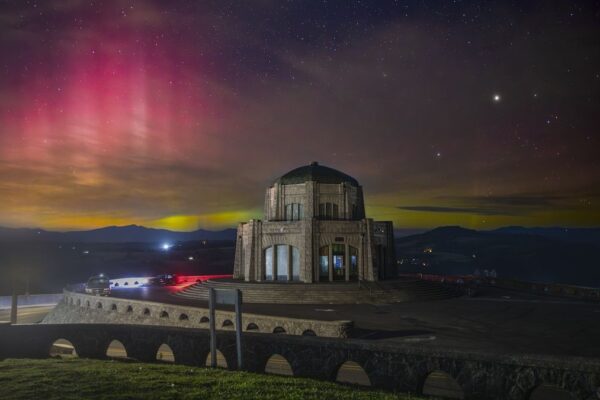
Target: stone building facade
314	230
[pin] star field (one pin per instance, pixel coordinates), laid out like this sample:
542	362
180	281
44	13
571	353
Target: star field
178	114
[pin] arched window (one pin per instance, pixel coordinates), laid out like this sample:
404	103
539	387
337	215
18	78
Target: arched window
295	264
204	320
309	332
252	327
277	261
164	314
146	311
279	330
129	309
227	324
324	263
353	263
282	262
269	263
113	307
183	317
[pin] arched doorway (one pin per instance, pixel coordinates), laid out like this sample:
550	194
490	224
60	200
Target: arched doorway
278	365
116	349
441	384
221	360
352	373
338	262
63	348
550	392
165	353
282	263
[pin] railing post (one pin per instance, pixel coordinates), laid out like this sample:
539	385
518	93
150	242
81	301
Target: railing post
238	326
14	302
212	322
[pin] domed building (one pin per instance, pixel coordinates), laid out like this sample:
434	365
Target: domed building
314	230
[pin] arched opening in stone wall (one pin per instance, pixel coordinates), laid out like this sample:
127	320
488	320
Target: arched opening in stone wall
164	314
252	327
550	392
99	305
282	263
204	320
113	307
221	360
129	309
165	353
309	332
146	312
183	317
279	330
441	384
352	373
87	304
116	349
78	302
278	365
62	348
227	324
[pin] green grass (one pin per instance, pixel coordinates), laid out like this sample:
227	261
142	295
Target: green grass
104	379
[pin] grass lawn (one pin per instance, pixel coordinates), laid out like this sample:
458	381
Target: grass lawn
104	379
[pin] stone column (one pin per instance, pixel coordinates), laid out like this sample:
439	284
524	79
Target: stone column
290	262
330	263
361	253
347	261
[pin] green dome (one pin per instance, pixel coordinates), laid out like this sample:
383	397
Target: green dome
316	173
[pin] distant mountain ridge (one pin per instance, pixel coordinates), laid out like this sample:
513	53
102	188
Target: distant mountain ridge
555	232
114	234
141	234
565	255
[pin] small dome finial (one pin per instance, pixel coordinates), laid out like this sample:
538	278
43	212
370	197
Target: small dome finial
314	163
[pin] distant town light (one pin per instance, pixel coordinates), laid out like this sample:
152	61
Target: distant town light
191	258
166	246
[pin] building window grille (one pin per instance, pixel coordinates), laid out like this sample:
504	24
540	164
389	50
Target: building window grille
294	212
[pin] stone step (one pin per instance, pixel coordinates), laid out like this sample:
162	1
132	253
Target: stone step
324	293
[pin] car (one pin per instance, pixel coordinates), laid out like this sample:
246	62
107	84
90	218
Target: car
98	285
164	280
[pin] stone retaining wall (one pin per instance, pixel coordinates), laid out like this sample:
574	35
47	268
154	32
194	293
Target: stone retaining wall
84	308
392	367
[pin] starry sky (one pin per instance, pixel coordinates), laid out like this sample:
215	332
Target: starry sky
178	114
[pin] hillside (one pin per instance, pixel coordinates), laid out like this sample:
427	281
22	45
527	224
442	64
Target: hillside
531	256
114	234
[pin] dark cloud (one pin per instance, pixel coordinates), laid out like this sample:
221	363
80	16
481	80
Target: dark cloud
436	209
508	205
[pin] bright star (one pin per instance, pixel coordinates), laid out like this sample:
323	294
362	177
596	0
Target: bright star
496	98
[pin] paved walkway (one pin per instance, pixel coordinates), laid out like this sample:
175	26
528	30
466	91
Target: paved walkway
498	321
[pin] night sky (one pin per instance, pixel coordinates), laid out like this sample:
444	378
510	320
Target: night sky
179	114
